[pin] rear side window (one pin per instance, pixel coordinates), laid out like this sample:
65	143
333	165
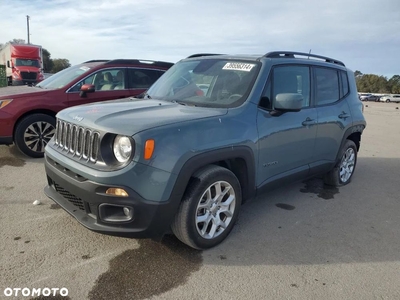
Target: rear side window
143	78
327	85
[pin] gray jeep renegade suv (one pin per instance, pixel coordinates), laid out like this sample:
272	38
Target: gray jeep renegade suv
213	132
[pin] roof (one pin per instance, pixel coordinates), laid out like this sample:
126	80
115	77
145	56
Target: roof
273	55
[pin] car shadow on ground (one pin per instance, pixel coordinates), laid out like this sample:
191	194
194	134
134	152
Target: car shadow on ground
306	223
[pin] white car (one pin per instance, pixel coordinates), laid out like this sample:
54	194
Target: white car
390	98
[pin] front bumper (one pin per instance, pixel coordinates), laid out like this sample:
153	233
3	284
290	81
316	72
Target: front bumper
6	128
81	198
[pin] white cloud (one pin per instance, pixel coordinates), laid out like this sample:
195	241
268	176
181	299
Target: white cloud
362	33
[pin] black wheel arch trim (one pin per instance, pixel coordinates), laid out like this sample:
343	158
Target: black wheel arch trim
350	131
214	156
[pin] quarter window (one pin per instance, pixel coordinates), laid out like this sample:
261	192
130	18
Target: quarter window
345	83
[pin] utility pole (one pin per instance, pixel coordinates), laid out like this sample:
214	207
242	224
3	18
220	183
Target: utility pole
27	25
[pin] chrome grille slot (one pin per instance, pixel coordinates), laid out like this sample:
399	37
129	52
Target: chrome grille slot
72	148
86	144
62	134
57	134
95	146
67	137
80	142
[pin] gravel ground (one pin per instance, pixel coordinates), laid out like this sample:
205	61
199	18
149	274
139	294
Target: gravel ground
301	241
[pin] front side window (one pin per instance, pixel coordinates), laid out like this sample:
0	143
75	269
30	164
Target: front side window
104	80
207	82
327	86
287	79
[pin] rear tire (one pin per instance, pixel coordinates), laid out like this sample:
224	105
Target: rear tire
344	169
33	133
209	208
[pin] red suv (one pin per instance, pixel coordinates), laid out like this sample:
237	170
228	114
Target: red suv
27	114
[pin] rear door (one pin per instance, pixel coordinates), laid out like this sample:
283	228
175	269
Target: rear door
331	90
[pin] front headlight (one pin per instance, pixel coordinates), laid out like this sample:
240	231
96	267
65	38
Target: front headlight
4	102
122	148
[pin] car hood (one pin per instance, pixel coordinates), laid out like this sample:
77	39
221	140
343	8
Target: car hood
129	116
18	91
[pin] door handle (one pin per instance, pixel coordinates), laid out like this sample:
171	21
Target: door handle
308	122
344	115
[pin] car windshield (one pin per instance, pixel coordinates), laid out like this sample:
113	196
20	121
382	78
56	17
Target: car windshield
27	63
62	78
206	82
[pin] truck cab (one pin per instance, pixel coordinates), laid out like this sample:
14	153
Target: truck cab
23	62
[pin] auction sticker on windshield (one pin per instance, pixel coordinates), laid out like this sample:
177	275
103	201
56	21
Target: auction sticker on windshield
238	66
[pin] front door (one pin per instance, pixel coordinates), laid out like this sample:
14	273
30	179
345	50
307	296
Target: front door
109	85
286	141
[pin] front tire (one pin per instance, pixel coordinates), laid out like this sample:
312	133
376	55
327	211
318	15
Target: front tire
344	169
33	133
209	208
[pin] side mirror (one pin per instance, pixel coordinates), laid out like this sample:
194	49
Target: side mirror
87	88
8	64
288	102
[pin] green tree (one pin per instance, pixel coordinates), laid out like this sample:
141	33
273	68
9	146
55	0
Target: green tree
15	41
60	64
47	61
371	83
394	84
18	41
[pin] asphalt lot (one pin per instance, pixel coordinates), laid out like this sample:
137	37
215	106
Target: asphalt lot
302	241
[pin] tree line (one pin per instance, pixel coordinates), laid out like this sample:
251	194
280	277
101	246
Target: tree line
50	65
371	83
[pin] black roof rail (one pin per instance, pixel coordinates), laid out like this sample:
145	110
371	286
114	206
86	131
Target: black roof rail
163	64
290	54
96	60
202	54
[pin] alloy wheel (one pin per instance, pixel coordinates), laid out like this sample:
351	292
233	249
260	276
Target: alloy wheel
347	165
215	209
37	135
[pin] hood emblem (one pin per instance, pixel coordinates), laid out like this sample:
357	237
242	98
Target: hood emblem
77	118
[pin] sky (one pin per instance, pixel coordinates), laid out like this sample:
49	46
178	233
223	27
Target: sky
364	34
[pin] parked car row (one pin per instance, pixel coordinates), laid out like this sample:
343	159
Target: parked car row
379	98
390	98
369	97
27	114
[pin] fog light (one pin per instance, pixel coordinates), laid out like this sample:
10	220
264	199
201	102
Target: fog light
127	212
114	213
117	192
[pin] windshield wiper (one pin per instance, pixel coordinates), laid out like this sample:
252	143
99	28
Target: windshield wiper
143	95
179	102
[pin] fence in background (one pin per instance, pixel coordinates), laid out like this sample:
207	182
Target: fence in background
3	77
